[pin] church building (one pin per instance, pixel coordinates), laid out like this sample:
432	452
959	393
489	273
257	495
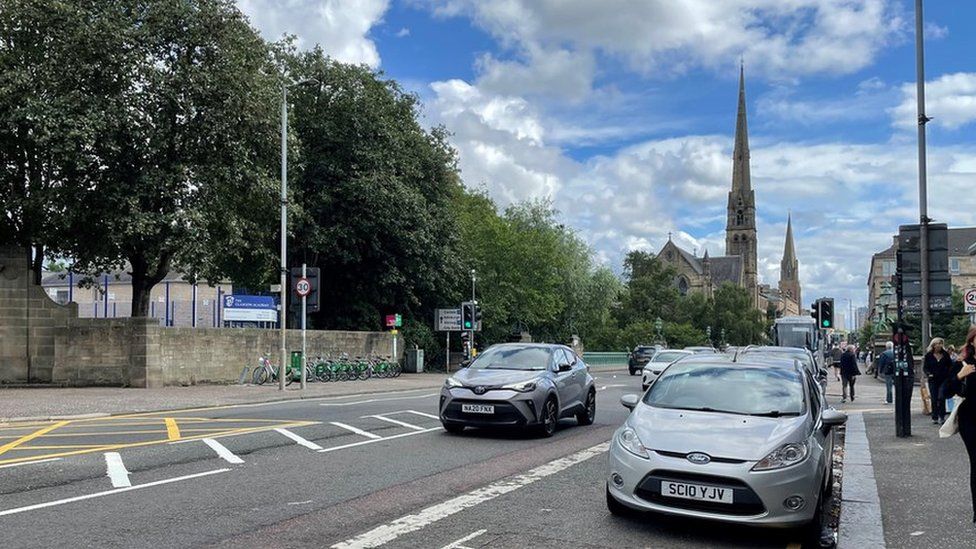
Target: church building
739	265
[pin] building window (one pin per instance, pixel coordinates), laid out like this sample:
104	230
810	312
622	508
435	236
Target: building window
739	218
683	286
61	297
887	268
954	265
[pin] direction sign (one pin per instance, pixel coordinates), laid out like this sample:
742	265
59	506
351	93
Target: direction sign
394	321
303	287
250	308
970	299
447	320
936	304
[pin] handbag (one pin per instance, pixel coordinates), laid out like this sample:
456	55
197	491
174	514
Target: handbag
951	426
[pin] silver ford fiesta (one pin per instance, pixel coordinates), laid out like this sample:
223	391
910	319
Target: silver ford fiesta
519	385
743	442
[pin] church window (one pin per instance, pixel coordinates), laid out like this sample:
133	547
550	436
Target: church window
683	286
735	238
670	255
739	218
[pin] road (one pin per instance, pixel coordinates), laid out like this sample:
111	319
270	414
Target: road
357	471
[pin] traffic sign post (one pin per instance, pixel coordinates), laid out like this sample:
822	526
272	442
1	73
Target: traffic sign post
303	287
970	300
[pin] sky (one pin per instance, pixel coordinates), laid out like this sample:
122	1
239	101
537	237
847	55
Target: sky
622	113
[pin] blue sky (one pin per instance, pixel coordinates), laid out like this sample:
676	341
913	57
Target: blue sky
622	112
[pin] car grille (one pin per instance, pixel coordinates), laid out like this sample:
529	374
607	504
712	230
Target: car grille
745	502
505	413
713	458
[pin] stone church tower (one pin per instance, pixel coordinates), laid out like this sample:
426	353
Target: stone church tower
789	270
740	229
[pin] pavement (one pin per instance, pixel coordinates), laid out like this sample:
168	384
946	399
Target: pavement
334	471
921	482
45	404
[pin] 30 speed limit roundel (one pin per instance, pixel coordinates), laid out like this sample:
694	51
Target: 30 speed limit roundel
303	287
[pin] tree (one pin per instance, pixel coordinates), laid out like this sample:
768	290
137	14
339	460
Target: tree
374	192
650	289
173	165
734	313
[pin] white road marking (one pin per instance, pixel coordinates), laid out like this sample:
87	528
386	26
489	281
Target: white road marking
356	430
411	523
431	416
301	502
371	441
397	422
28	462
301	441
108	492
117	472
469	537
222	451
376	400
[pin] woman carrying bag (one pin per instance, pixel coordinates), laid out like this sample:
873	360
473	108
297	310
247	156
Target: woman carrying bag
962	382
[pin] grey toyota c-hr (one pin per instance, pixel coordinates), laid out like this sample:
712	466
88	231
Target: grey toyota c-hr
519	385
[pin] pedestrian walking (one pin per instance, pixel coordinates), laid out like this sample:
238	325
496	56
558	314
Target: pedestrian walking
886	368
963	383
953	353
937	367
835	355
848	371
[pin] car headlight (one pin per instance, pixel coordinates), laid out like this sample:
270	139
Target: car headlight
628	439
451	382
784	456
523	387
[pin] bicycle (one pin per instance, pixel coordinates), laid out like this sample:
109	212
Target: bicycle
266	371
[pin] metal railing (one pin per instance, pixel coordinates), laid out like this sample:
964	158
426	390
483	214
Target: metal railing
602	359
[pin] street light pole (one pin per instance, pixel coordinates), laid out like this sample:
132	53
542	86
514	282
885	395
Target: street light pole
284	234
923	230
474	308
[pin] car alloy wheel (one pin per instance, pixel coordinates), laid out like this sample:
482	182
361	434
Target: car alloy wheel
549	418
588	413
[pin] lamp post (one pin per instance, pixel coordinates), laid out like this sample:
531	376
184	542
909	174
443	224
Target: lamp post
284	226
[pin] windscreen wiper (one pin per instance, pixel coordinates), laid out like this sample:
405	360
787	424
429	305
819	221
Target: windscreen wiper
775	413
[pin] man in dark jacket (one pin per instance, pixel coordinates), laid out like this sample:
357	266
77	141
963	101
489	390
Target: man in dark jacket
848	371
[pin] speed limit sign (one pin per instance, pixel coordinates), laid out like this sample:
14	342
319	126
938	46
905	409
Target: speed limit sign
970	299
303	287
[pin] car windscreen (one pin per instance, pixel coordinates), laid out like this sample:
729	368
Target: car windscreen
748	390
512	358
794	336
804	358
667	357
644	351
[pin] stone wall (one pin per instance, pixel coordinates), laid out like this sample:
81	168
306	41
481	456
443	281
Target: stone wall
214	355
140	353
29	321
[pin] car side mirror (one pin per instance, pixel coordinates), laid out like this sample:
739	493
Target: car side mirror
565	367
630	401
831	418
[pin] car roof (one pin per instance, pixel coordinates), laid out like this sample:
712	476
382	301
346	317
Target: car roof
678	351
549	346
772	349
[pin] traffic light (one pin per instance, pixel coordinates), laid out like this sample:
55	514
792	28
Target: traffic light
477	316
827	312
467	316
815	310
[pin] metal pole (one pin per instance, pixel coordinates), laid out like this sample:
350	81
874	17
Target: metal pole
193	307
474	308
304	298
447	352
923	240
284	233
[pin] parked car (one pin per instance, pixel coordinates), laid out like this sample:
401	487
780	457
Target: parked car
640	356
519	385
658	363
701	350
737	442
797	353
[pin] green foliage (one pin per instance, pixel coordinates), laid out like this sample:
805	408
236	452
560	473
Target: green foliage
952	327
684	335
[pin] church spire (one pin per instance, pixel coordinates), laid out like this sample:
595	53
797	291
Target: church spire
741	179
789	251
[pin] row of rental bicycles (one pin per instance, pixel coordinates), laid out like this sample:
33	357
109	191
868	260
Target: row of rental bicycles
328	369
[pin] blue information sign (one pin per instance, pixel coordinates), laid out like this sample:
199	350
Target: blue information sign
250	308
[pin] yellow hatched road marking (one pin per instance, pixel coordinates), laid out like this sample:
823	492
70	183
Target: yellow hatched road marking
27	438
172	429
229	432
57	447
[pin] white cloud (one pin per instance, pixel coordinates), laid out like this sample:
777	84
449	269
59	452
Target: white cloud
403	33
846	199
561	73
340	27
950	101
869	101
780	38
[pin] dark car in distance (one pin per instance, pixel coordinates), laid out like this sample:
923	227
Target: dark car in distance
640	356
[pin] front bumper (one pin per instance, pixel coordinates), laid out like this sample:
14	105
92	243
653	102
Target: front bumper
512	408
757	496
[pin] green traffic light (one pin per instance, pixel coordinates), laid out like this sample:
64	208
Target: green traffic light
826	323
467	324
